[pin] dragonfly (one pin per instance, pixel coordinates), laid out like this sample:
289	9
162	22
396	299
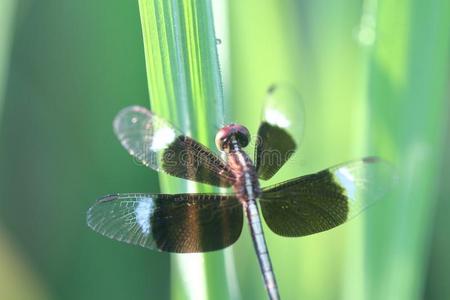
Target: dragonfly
202	222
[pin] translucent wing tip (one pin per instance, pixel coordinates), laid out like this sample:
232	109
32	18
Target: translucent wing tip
284	108
107	198
371	159
133	127
386	169
90	216
130	117
365	181
271	89
122	217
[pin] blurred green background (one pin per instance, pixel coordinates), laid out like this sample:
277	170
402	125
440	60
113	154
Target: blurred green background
374	78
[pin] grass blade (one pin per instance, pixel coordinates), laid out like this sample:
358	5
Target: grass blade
7	10
185	88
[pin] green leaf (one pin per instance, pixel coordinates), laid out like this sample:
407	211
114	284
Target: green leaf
7	10
185	88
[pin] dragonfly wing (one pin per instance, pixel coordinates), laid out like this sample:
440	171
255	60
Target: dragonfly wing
180	223
159	145
324	200
279	134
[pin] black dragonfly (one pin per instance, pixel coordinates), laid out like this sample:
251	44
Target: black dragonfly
187	223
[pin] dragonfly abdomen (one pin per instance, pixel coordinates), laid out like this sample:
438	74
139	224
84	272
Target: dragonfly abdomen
261	249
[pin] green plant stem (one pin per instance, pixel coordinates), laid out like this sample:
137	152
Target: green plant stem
7	10
185	88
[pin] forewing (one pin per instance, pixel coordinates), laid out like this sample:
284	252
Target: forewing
324	200
280	131
159	145
180	223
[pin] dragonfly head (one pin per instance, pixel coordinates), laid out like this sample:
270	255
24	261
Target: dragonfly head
229	133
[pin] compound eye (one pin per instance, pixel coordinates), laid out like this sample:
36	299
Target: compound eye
242	135
221	138
224	136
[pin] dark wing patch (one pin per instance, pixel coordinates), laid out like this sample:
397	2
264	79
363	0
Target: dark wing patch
311	204
324	200
274	147
186	158
180	223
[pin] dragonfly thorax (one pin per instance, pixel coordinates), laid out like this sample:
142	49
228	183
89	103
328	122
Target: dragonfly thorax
232	133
